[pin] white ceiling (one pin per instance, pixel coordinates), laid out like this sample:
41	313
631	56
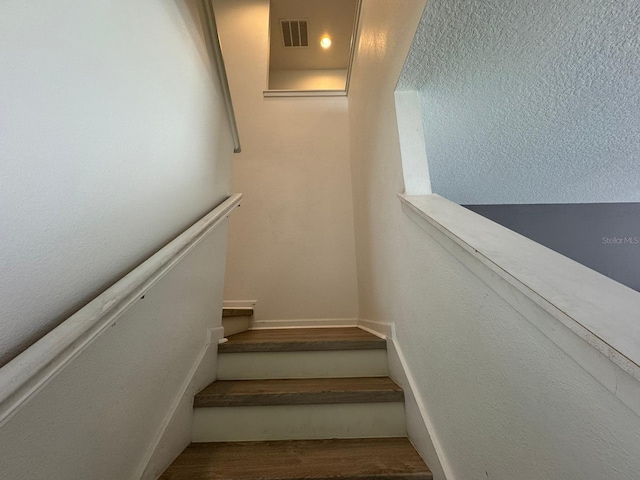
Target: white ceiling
326	17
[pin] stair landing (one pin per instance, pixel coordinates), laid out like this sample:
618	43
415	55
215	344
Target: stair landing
336	459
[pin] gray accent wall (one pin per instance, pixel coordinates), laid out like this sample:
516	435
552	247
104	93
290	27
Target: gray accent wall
602	236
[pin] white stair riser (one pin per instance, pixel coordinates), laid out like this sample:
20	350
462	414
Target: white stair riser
322	364
294	422
233	325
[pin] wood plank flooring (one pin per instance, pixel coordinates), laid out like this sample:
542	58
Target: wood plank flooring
307	339
304	391
337	459
237	312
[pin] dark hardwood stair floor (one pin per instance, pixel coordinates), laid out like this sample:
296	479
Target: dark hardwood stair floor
337	459
302	339
303	391
237	312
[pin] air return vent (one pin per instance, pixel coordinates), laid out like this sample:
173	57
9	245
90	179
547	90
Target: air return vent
294	33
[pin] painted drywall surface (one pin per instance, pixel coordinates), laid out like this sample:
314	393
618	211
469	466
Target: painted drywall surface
412	148
530	101
386	32
307	79
99	416
602	236
113	140
291	244
504	401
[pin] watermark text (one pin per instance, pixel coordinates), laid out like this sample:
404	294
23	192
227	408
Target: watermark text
620	240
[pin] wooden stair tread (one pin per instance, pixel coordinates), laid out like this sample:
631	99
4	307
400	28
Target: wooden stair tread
303	391
336	459
237	312
302	339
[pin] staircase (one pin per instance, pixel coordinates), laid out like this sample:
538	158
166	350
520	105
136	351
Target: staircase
313	403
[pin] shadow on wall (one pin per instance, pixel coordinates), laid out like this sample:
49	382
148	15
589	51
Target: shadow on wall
603	236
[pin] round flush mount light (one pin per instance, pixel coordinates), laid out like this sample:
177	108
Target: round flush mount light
325	41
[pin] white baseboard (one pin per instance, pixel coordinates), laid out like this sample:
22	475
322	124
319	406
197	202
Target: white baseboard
419	426
380	329
159	456
305	323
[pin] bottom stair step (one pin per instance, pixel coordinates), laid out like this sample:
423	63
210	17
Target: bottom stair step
352	459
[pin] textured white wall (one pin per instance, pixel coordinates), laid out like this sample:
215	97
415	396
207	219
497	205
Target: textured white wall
504	400
291	244
530	101
113	139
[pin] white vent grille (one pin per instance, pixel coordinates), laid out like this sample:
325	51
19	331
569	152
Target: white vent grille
294	33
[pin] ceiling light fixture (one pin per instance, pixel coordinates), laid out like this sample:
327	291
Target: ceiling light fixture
325	41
